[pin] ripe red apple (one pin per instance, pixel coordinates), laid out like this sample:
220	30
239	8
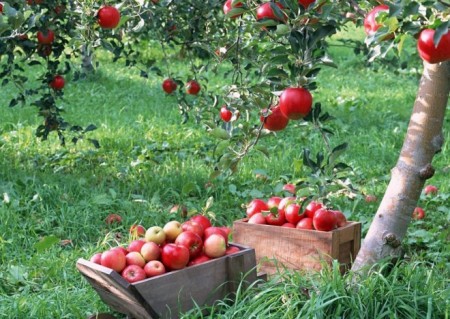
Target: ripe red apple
285	202
215	246
232	250
290	188
46	36
155	234
226	230
225	114
1	8
150	251
133	273
275	217
370	21
113	218
154	268
122	249
199	260
324	220
172	230
275	121
311	208
96	258
306	3
295	103
293	214
202	220
169	85
57	83
192	87
137	231
256	206
136	245
305	223
135	258
228	6
418	213
108	17
431	53
174	256
114	259
288	225
265	11
430	190
257	218
370	198
340	217
194	227
214	230
191	241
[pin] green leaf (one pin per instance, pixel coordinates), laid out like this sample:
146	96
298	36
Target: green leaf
336	152
220	133
45	243
440	31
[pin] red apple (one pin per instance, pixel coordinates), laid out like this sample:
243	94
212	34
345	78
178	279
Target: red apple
324	220
341	219
133	273
135	258
311	208
108	17
155	234
202	220
137	231
46	36
257	218
169	86
154	268
150	251
293	214
285	202
199	260
122	249
96	258
215	246
430	190
136	245
172	229
256	206
225	114
295	103
418	213
370	21
428	50
191	241
227	7
192	87
216	230
370	198
305	223
290	188
174	256
113	218
288	225
227	230
232	250
194	227
114	259
57	83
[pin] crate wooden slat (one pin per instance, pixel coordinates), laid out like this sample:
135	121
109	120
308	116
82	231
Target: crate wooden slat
168	295
280	247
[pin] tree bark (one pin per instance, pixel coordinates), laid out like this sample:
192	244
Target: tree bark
423	140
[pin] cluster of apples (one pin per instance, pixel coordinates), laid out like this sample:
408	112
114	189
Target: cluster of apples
288	212
158	250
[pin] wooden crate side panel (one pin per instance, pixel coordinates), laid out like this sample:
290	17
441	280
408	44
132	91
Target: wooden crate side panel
114	290
241	266
176	291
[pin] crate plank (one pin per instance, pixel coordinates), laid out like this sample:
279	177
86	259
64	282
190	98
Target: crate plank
280	247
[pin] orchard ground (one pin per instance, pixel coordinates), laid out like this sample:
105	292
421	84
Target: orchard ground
148	161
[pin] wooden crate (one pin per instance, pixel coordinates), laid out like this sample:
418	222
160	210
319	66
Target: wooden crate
175	292
278	247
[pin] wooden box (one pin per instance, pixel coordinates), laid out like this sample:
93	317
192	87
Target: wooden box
167	295
297	249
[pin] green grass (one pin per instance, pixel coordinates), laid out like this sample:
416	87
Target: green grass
148	161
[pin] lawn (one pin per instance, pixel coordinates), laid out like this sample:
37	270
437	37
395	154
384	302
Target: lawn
148	161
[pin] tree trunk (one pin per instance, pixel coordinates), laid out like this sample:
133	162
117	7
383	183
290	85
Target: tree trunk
423	140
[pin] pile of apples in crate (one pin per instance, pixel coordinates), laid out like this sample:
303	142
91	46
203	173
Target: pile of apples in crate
289	212
174	246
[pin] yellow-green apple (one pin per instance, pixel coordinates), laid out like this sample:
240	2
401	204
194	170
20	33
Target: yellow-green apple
150	251
215	246
174	256
154	268
133	273
191	241
172	229
135	258
155	234
114	259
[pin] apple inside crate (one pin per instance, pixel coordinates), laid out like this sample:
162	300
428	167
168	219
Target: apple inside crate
278	247
175	292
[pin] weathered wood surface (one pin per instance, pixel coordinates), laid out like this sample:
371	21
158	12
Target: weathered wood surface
280	247
170	294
